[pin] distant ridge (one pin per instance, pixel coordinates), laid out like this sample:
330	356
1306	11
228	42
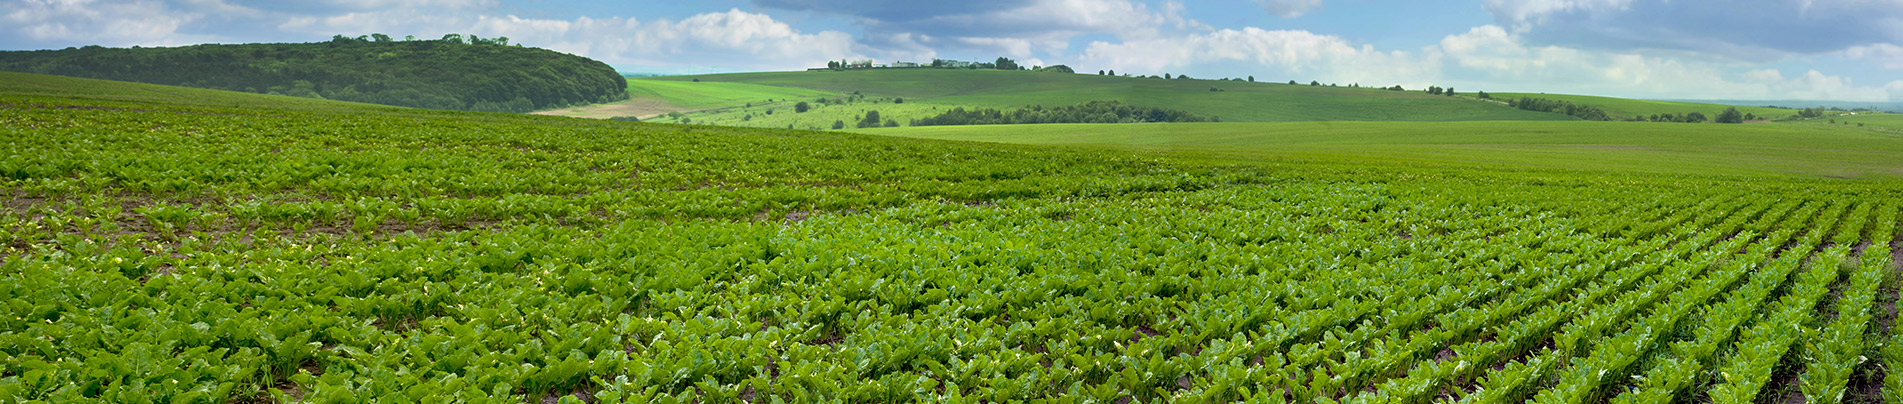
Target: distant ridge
475	75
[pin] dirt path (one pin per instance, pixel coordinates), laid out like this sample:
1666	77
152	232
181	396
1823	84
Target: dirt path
643	108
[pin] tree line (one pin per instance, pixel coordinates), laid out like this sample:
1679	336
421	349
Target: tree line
1585	112
1090	112
458	72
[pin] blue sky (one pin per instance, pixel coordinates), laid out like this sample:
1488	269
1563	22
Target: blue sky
1842	50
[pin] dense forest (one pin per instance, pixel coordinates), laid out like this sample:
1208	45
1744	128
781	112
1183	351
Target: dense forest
1090	112
455	72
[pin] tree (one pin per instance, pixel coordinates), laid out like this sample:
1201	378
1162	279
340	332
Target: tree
1449	91
1731	115
1113	72
1483	95
839	125
1251	79
1166	76
900	100
1005	63
380	37
802	107
453	38
1695	117
1100	73
1313	83
871	120
1434	90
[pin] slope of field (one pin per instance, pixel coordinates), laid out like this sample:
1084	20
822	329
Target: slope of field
246	248
1783	149
1862	120
424	74
1623	108
1238	101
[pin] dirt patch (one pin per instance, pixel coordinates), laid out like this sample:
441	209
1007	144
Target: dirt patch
643	108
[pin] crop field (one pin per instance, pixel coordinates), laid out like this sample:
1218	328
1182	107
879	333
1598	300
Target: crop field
244	248
1808	148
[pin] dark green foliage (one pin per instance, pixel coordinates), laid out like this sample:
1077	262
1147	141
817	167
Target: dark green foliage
839	125
1694	117
1058	69
1091	112
871	120
1731	115
484	75
1585	112
1005	63
803	106
1483	95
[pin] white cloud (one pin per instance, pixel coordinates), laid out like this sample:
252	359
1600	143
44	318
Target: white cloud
1890	55
1492	57
1527	11
1303	53
107	23
1289	8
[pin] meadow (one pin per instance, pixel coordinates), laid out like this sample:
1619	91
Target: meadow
1625	108
923	89
173	245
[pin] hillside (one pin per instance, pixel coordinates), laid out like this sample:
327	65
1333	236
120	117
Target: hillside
1626	108
485	75
906	94
163	244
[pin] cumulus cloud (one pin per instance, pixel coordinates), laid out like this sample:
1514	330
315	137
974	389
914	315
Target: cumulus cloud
100	22
1021	29
1289	8
1751	30
1492	56
1889	55
1298	53
734	38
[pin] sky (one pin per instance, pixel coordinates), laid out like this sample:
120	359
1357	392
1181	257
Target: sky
1836	50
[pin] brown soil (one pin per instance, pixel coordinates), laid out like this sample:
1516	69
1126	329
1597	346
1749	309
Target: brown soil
643	108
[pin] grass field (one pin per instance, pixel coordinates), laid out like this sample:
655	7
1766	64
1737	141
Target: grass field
1622	108
171	245
1781	149
1240	101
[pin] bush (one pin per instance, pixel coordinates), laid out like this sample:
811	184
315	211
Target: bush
1731	115
802	107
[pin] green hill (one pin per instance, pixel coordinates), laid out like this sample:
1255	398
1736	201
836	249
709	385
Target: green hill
925	92
1625	108
483	75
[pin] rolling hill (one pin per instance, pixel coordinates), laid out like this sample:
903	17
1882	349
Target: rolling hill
1625	108
477	75
905	94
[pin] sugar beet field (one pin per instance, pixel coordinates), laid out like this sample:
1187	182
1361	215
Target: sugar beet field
171	245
